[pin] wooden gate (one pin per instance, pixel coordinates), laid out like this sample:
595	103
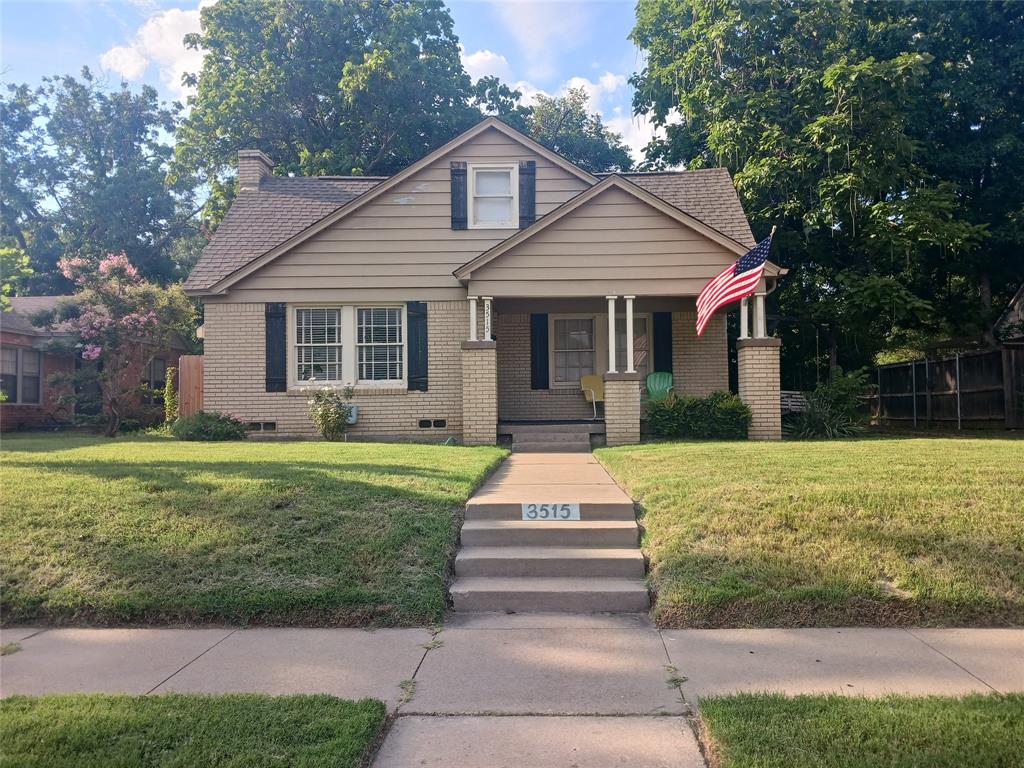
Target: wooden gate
190	384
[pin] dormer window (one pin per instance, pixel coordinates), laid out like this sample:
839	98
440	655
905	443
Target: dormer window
494	196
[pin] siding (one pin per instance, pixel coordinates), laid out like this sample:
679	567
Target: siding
402	243
613	244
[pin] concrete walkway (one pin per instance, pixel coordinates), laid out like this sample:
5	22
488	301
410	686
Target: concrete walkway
522	690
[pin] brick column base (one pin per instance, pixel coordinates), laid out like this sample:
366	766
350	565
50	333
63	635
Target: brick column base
622	408
758	361
479	392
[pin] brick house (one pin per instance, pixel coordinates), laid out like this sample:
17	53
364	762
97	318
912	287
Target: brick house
30	358
467	295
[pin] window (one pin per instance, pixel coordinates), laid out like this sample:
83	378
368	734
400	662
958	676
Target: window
641	346
574	348
154	378
381	343
318	344
493	196
21	374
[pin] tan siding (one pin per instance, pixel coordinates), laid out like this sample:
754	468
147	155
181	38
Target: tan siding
403	240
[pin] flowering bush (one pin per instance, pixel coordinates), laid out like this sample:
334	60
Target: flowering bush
116	318
329	410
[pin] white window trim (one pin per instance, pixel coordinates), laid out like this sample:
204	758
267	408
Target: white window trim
19	371
471	170
349	353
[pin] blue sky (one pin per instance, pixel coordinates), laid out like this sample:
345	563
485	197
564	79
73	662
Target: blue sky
535	46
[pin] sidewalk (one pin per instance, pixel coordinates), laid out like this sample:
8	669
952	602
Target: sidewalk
545	689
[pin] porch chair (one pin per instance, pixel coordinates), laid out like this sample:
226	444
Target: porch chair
593	390
659	384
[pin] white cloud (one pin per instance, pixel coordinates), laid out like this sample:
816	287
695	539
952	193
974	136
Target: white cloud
606	85
637	130
482	63
159	42
542	29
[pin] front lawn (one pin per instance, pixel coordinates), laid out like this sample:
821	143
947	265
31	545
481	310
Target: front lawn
155	530
877	531
774	731
250	730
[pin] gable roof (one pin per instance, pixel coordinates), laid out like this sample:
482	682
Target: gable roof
19	318
613	181
226	278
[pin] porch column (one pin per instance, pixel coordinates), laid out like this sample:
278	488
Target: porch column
487	318
758	368
760	324
622	408
744	318
472	318
611	333
479	392
630	364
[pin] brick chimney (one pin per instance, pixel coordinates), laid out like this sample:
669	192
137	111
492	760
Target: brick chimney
253	165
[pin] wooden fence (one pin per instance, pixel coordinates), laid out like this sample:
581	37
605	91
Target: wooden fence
190	384
972	390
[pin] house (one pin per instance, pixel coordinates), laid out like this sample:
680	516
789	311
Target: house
33	364
470	292
1009	328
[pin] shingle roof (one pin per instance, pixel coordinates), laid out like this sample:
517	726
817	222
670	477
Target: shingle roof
707	194
18	319
282	207
261	220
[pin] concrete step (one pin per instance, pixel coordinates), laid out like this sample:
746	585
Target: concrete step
550	533
549	446
513	510
587	595
585	427
550	561
551	437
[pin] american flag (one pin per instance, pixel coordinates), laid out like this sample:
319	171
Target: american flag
736	281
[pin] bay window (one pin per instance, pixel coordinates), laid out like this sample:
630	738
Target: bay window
493	196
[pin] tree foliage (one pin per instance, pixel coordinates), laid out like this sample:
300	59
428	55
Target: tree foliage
565	125
884	139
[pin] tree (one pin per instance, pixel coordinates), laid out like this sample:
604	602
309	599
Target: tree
846	125
85	174
565	125
117	318
14	271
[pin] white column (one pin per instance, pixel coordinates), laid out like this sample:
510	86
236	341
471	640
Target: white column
611	333
472	318
630	365
760	324
744	318
487	318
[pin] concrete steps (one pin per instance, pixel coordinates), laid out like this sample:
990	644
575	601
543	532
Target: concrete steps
551	438
550	533
623	563
578	595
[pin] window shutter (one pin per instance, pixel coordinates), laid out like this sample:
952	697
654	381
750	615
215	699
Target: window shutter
459	217
416	340
527	193
661	344
277	348
539	374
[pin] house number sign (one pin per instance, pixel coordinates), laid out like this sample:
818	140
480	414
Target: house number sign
541	511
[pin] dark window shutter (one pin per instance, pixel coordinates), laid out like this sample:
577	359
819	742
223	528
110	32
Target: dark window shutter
661	343
277	347
527	193
539	374
416	316
459	217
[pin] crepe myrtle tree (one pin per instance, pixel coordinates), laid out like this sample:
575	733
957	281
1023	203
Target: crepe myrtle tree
115	319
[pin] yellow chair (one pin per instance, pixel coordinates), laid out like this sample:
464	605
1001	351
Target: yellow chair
593	390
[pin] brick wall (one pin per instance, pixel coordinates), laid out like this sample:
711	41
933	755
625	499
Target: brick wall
700	364
235	370
622	408
759	385
34	416
479	393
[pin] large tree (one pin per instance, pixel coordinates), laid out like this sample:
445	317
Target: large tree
882	138
565	125
84	173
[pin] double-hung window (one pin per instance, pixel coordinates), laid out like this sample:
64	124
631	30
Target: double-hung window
493	196
154	378
21	374
574	350
318	344
380	343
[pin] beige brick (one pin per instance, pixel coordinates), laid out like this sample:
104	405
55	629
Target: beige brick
758	369
621	409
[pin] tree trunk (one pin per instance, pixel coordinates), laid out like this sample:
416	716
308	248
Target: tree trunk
113	421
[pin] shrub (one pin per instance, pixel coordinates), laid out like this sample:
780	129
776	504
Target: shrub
720	415
329	410
208	425
834	409
170	398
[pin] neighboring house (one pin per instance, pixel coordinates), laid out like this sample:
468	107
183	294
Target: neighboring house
1009	328
476	286
30	358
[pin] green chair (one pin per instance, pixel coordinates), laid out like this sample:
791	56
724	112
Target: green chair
659	385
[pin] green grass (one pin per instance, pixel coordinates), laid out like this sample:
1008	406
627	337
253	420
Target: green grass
774	731
172	731
872	531
150	530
